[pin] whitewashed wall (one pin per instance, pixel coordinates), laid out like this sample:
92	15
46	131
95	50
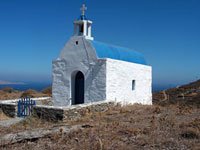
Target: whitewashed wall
105	79
73	58
96	83
119	76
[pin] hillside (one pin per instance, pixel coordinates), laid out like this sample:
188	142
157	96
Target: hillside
121	128
169	126
8	93
188	94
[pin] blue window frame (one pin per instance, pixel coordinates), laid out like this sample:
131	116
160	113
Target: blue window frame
133	85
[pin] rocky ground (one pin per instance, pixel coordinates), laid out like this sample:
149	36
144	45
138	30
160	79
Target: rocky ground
173	122
130	127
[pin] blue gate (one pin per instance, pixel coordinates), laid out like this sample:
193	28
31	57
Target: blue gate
25	107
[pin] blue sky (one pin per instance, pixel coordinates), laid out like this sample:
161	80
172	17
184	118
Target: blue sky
166	32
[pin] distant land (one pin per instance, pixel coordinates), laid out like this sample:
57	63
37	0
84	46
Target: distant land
11	83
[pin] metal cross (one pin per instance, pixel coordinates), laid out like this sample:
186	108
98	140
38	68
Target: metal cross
83	9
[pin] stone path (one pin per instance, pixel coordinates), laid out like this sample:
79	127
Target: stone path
6	123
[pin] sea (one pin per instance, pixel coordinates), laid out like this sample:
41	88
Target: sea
39	86
23	87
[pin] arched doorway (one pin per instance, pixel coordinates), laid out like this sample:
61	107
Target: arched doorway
79	88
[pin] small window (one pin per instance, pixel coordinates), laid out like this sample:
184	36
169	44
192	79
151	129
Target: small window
133	85
76	42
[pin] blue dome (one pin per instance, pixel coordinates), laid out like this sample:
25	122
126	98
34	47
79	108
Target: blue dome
114	52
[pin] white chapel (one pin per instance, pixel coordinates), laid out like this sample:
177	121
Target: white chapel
88	71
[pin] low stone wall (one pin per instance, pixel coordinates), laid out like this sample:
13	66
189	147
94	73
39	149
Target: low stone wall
54	114
9	109
48	113
81	110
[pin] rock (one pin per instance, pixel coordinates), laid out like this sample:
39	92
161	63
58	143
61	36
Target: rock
50	113
36	134
9	109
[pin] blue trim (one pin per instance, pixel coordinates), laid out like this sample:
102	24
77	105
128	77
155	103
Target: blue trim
114	52
82	17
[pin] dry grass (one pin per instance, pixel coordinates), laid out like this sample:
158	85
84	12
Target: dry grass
5	95
27	124
9	93
130	127
47	90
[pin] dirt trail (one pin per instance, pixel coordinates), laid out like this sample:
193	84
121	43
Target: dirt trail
6	123
165	96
